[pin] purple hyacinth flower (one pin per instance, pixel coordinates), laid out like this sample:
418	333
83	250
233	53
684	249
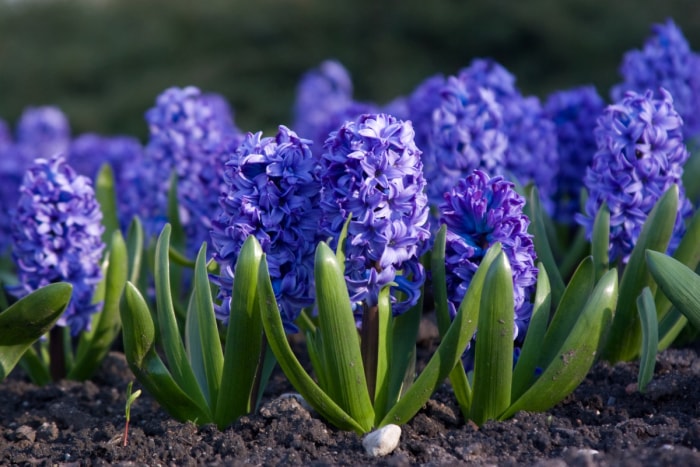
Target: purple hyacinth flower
43	132
56	234
190	133
640	156
87	154
324	103
532	154
666	61
574	113
272	191
468	133
371	170
478	212
422	102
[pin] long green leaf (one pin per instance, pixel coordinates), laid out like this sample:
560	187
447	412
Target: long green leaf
243	338
688	253
302	382
169	332
542	246
600	242
139	347
106	197
341	345
91	351
650	338
577	354
680	284
493	360
450	350
458	378
625	336
384	355
567	315
203	332
28	319
526	367
135	249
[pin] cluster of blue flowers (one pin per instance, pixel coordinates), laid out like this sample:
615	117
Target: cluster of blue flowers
640	155
478	212
667	62
56	232
272	191
372	173
190	135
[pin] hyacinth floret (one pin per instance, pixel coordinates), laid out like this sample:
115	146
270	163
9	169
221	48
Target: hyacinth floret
371	171
56	235
272	191
666	61
191	134
574	113
478	212
640	155
468	133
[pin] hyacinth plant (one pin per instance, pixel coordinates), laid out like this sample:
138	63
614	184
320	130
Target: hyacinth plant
484	243
636	202
58	237
269	204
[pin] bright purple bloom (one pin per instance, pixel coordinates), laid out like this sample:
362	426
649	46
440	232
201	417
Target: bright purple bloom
272	191
666	61
43	132
574	113
421	105
640	156
324	103
190	133
532	141
371	170
468	133
57	232
478	212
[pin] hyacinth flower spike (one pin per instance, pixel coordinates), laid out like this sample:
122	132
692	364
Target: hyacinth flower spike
636	202
481	216
57	238
269	205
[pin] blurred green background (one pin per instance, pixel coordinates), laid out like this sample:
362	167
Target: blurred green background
105	61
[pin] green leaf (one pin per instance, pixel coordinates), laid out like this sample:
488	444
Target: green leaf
650	338
600	241
95	346
575	297
458	378
541	241
244	335
525	368
139	348
295	373
340	248
28	319
178	242
493	360
450	350
107	199
341	345
203	334
134	248
577	354
688	253
625	336
171	341
680	284
383	356
36	368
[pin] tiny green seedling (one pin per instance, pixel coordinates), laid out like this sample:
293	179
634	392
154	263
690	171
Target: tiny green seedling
130	398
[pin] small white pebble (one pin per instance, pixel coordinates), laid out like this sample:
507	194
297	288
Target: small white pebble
382	441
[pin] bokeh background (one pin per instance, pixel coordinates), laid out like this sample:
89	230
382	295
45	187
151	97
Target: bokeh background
103	62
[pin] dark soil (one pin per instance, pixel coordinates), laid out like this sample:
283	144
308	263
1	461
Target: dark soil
604	422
